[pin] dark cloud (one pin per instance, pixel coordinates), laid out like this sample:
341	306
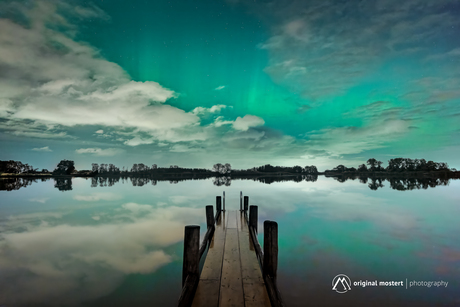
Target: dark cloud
323	48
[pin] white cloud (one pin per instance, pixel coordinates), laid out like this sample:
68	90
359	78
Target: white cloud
353	140
219	88
40	134
100	152
137	208
72	84
55	257
136	141
97	197
39	200
214	109
43	149
248	121
100	131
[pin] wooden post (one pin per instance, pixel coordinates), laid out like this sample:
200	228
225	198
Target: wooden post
241	200
210	216
270	249
224	202
246	203
218	209
253	218
191	251
218	204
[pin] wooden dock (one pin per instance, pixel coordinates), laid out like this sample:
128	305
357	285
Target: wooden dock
231	274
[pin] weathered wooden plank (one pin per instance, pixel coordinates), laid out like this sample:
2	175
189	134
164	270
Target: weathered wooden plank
253	217
231	222
207	293
250	268
255	294
222	220
231	287
212	267
209	234
231	275
242	224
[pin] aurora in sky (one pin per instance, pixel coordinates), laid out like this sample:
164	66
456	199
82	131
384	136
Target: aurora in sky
194	83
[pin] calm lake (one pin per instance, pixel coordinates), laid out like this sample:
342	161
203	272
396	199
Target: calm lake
122	245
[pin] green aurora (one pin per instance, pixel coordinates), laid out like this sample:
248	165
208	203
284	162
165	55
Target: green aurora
244	82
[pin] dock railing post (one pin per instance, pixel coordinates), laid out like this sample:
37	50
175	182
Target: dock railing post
270	264
210	216
218	204
218	207
224	203
241	200
191	252
253	218
246	203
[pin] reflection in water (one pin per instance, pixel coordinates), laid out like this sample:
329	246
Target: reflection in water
374	183
57	263
400	184
298	178
123	246
219	181
10	184
63	184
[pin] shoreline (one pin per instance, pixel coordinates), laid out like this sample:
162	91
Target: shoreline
242	175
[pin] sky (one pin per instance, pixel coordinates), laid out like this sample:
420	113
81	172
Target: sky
194	83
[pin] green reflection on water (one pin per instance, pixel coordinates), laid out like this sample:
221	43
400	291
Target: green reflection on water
122	245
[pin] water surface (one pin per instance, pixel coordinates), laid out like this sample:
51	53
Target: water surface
122	245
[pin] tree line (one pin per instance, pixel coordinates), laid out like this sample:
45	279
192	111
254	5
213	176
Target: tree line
395	165
67	167
267	168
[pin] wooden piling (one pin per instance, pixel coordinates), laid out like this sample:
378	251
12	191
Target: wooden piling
224	203
218	204
270	264
229	266
253	218
191	252
210	216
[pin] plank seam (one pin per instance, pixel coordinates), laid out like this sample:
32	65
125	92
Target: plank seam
238	222
223	256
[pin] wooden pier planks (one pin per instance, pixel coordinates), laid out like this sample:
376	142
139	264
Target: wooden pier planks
231	287
255	293
208	290
231	275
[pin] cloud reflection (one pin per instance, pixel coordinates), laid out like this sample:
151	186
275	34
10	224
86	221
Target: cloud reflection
74	263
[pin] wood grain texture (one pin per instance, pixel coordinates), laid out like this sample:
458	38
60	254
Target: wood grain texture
231	274
207	293
231	286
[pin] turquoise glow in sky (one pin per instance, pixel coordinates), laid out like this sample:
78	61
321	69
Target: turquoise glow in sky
244	82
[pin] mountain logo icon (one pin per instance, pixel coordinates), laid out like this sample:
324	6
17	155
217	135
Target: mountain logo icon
341	283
